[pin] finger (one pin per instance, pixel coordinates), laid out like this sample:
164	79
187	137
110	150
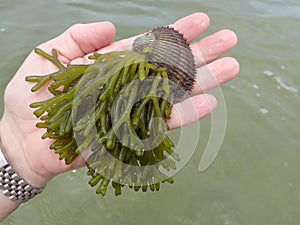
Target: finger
215	74
190	26
81	39
191	110
213	46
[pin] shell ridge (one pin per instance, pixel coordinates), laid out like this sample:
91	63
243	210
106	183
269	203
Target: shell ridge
170	50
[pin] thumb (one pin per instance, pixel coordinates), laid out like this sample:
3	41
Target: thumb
81	39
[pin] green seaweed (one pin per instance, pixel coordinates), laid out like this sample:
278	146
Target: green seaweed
116	107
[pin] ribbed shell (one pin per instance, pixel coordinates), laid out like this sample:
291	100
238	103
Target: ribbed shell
169	49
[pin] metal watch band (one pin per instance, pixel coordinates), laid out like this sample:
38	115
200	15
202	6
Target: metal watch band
13	186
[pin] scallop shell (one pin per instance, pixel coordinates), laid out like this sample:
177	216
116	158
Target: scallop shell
167	48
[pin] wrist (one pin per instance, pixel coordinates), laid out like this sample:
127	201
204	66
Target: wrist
15	153
6	207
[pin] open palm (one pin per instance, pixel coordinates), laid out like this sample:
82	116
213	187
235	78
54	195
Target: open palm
25	149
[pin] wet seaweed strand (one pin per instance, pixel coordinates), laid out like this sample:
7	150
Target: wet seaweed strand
116	107
58	113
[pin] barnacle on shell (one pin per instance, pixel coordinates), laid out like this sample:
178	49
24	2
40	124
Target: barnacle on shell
117	107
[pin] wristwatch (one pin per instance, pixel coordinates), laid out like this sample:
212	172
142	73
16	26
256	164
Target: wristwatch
13	185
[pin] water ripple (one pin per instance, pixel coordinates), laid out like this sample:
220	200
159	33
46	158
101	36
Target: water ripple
285	86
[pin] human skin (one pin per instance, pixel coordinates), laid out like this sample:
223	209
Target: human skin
21	139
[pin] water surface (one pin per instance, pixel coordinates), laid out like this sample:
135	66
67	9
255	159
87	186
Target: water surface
255	179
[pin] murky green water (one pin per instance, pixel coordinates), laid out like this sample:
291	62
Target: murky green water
255	179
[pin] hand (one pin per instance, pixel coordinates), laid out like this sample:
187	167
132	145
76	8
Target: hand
30	155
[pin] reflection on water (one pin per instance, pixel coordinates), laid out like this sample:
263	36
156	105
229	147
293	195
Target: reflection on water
255	177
